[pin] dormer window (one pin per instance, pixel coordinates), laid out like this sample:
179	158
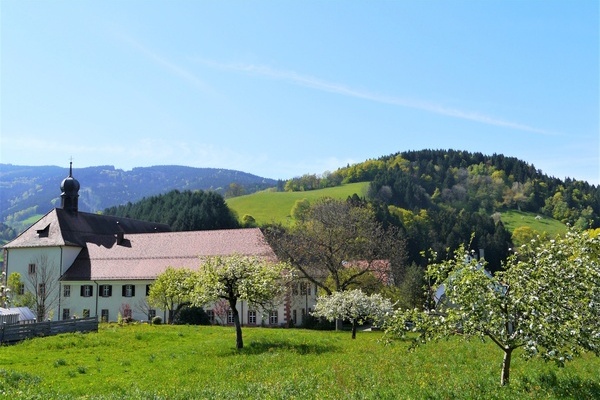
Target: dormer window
42	233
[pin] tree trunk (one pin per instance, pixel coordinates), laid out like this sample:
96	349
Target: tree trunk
239	342
353	329
504	378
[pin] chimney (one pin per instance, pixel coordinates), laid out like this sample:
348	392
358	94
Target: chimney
120	234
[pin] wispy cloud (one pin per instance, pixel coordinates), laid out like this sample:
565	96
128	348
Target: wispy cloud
166	63
344	90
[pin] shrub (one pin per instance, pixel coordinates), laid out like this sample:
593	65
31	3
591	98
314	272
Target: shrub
156	320
60	362
191	315
320	324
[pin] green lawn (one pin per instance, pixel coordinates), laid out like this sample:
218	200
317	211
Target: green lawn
513	219
190	362
268	207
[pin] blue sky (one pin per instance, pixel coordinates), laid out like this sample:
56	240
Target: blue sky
282	88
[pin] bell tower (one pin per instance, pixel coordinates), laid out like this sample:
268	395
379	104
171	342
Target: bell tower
69	196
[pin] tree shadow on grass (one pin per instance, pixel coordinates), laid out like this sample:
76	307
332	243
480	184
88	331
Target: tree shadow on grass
272	346
565	387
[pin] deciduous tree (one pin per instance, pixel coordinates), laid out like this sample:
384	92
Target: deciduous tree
547	301
42	282
234	278
171	290
333	233
353	305
15	298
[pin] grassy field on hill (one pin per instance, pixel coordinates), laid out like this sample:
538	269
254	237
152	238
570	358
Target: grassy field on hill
513	219
184	362
268	207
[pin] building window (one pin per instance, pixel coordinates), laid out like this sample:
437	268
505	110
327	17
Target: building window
86	313
42	289
128	290
151	314
305	289
294	317
105	290
294	289
230	317
31	269
211	316
251	317
66	313
104	315
273	317
67	291
21	288
87	290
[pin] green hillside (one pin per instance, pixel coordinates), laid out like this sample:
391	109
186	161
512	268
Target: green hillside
269	207
513	219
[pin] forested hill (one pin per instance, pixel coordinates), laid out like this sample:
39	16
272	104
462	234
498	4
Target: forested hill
28	191
182	211
420	180
445	198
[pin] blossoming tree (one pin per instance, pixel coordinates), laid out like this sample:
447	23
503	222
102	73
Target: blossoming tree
546	301
353	305
234	278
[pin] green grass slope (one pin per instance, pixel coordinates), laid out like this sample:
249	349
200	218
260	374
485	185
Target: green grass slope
268	207
199	362
513	219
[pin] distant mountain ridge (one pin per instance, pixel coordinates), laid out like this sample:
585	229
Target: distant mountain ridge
29	190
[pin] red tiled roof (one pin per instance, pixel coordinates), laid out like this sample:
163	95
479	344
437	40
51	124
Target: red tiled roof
379	268
144	256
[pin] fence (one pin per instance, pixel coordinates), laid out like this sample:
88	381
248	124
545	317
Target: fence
17	332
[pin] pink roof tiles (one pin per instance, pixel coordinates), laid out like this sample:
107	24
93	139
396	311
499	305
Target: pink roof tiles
145	255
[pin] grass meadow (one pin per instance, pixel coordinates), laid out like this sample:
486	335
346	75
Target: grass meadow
268	206
197	362
513	219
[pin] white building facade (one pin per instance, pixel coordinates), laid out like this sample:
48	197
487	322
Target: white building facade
79	264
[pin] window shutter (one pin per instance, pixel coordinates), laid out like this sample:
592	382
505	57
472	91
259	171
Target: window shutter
132	290
109	290
123	290
81	289
91	290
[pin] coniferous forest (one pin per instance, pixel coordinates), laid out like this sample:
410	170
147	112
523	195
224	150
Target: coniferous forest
182	211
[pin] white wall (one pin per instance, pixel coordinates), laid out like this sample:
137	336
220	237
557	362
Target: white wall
18	260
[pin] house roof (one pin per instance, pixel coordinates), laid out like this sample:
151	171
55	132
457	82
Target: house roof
25	313
66	228
379	268
144	256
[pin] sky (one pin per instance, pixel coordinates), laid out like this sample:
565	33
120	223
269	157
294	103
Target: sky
281	89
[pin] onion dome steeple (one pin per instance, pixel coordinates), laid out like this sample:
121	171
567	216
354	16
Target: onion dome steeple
69	197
